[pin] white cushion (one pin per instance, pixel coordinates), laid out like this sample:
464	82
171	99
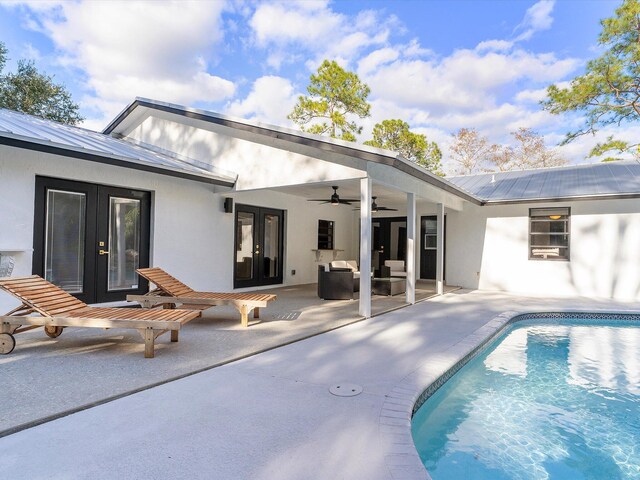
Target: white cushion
352	264
395	265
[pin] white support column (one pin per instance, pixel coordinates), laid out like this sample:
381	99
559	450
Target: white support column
411	252
365	247
440	249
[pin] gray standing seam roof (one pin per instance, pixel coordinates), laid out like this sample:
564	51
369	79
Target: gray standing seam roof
19	129
611	179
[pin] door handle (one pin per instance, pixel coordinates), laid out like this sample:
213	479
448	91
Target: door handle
103	252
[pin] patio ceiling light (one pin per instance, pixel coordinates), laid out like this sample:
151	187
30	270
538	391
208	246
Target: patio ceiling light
555	217
374	205
335	198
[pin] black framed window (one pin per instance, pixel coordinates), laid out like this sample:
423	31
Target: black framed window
325	234
549	233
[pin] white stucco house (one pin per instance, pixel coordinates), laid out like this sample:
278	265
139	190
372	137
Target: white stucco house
225	204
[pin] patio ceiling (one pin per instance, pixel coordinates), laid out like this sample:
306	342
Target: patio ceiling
385	196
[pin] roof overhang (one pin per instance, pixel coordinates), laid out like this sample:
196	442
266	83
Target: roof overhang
574	198
121	124
45	146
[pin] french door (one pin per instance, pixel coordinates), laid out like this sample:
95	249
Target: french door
258	246
389	241
90	239
428	246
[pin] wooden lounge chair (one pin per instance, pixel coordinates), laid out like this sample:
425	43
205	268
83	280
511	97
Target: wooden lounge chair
173	292
59	309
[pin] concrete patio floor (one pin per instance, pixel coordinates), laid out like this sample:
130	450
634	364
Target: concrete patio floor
49	377
269	416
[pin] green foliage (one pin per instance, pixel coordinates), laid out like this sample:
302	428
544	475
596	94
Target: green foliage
30	91
608	93
395	135
619	146
334	95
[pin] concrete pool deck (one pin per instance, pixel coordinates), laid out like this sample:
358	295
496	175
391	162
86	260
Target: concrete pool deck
271	415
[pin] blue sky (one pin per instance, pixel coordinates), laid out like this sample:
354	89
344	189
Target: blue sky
439	65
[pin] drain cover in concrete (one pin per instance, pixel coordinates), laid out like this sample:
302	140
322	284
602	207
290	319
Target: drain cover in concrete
287	316
345	389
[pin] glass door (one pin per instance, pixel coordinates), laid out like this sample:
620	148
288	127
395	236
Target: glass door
122	242
245	247
89	239
63	229
389	241
429	246
258	246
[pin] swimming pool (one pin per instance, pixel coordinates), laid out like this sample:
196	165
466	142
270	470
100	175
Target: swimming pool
549	399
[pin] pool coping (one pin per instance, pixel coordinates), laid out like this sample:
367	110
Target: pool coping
403	460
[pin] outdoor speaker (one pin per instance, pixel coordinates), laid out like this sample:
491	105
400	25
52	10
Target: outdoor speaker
228	205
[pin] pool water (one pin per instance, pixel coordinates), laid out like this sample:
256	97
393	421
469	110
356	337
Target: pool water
546	401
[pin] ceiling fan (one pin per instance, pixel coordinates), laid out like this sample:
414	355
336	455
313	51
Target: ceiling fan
375	208
335	199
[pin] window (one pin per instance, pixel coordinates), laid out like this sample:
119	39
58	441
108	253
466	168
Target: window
325	235
549	233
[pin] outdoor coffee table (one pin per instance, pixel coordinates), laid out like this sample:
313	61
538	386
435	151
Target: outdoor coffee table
388	286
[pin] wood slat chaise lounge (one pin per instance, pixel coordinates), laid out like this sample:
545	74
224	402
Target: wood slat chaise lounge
173	292
59	309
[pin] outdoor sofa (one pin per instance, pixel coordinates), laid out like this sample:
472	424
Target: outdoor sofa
338	282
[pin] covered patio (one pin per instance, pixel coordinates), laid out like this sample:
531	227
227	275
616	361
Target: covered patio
387	215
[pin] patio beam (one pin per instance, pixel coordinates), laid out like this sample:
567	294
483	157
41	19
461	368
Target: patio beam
440	248
365	247
411	253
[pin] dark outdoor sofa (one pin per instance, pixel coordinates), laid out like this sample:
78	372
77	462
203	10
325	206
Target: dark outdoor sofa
336	283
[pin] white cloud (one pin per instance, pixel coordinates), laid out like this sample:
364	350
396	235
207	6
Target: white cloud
537	18
531	96
467	80
494	46
270	100
129	49
30	52
284	23
313	27
376	59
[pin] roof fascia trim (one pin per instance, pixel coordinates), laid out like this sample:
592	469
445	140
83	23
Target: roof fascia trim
105	159
602	196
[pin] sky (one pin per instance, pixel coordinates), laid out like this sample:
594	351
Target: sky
438	65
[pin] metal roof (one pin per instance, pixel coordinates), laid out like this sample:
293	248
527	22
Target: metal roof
26	131
599	180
